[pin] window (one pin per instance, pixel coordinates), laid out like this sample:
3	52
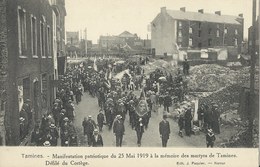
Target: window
235	42
236	32
209	42
179	34
180	39
199	24
217	33
48	41
190	30
44	90
34	35
210	30
190	42
226	30
22	31
42	37
180	24
199	33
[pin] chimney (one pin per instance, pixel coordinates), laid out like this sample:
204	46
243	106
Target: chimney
241	15
183	9
218	13
163	9
201	11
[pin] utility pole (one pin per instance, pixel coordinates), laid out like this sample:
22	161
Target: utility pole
252	80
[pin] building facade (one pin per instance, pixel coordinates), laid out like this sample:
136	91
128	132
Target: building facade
27	60
172	30
135	44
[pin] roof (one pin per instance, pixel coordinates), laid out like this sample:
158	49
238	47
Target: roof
127	34
204	17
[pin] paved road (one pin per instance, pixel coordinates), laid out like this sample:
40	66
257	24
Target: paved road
151	138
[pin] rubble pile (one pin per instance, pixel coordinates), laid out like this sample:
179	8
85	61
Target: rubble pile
212	77
240	139
226	98
159	64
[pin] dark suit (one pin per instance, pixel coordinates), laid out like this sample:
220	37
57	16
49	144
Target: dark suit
98	142
119	130
164	130
89	126
100	120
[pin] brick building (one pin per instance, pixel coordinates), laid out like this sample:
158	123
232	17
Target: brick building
27	63
125	39
172	29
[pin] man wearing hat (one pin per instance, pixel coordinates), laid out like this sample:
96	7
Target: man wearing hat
100	120
97	140
36	137
47	143
88	126
70	110
119	130
188	119
167	102
139	128
215	120
164	130
54	135
56	113
210	138
64	136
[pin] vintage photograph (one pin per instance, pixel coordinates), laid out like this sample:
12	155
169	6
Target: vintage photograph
132	73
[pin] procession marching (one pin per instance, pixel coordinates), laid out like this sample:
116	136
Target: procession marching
118	97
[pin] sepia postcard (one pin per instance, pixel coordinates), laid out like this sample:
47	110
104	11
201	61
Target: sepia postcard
129	83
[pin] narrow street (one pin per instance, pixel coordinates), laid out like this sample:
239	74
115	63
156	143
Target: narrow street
151	138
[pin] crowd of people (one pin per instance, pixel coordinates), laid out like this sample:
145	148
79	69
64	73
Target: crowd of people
117	98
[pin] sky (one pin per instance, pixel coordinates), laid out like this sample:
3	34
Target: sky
112	17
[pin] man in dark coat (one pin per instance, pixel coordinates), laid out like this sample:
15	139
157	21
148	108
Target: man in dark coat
215	120
36	137
100	120
167	102
181	123
186	67
164	130
201	116
88	125
56	113
119	130
97	140
139	128
188	118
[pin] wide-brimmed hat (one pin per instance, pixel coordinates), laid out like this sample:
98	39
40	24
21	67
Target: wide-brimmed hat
47	143
21	119
52	126
89	116
118	116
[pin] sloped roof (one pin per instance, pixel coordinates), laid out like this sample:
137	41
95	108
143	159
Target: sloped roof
126	34
203	17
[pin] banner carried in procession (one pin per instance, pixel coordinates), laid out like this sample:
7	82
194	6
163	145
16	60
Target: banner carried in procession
142	107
